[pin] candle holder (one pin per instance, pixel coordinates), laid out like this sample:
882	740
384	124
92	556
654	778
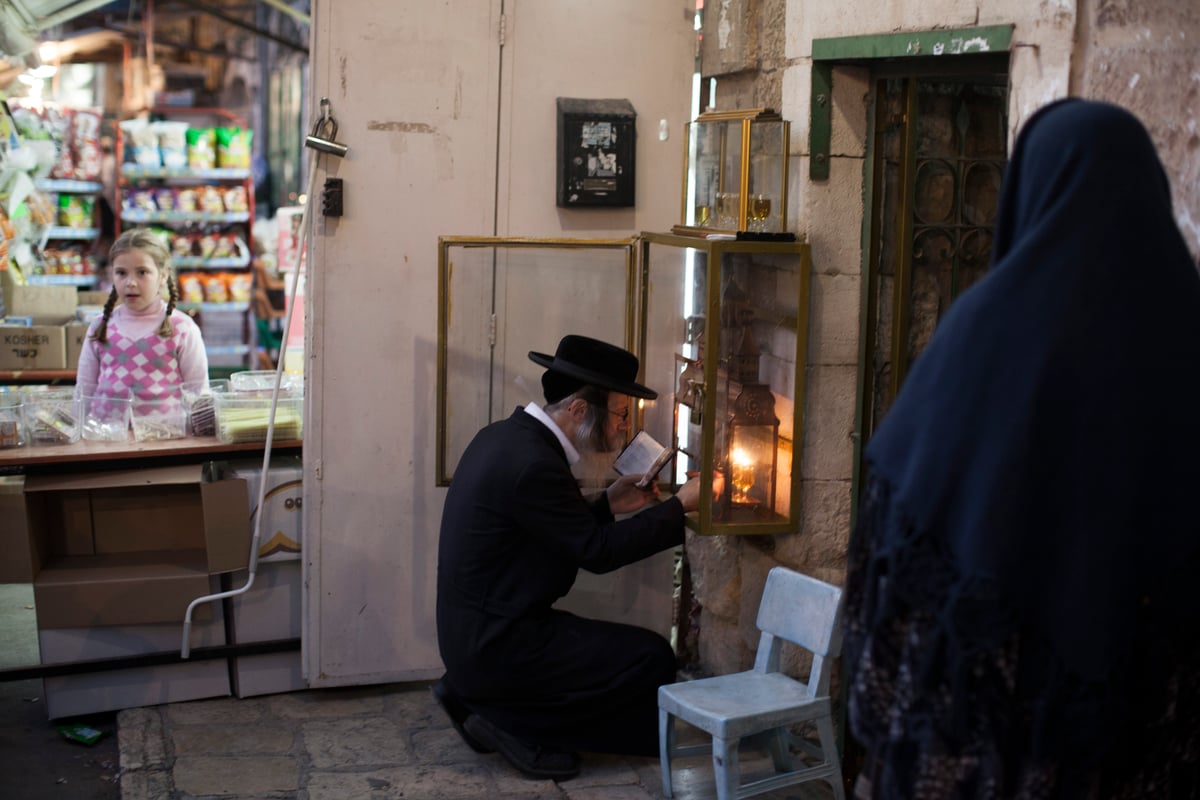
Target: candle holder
737	171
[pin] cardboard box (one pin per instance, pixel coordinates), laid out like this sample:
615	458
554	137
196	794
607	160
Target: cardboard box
268	611
112	690
33	346
14	534
91	297
74	335
46	304
131	547
282	523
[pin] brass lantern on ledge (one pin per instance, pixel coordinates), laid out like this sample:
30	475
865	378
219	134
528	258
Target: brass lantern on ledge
724	330
752	432
736	172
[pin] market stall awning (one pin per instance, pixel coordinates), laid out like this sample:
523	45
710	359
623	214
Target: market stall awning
21	21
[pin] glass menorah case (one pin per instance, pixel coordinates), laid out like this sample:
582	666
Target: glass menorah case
725	337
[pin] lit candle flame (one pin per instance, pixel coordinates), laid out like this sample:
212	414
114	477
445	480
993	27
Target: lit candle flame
743	474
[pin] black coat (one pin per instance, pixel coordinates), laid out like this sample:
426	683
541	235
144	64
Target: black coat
515	531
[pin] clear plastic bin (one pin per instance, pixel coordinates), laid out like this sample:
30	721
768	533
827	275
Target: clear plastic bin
244	417
162	418
201	406
12	420
106	419
262	382
52	417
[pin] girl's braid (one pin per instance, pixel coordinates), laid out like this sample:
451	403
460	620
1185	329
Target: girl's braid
167	330
101	334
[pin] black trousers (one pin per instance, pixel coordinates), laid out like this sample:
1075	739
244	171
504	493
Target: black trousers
588	685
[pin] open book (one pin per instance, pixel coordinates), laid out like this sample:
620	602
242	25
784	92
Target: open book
643	456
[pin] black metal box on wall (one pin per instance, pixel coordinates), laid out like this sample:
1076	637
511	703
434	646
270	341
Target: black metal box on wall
596	153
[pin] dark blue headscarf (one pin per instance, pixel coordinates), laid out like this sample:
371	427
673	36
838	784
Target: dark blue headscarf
1048	437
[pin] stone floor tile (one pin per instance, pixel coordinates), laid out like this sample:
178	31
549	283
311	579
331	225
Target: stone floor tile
427	782
218	740
145	785
223	711
318	703
236	775
141	739
355	741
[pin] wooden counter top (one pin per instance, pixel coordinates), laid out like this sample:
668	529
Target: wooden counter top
193	448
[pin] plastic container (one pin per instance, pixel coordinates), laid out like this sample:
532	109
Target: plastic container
243	417
106	419
262	382
202	411
52	417
161	418
12	420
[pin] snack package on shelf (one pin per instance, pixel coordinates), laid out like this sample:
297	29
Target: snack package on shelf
186	199
76	211
241	286
165	199
172	143
216	289
235	199
141	143
191	287
211	201
139	200
42	211
58	122
201	148
85	144
233	147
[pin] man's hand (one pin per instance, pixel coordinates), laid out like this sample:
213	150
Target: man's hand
625	498
689	493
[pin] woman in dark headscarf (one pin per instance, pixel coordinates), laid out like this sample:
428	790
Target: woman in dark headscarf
1021	621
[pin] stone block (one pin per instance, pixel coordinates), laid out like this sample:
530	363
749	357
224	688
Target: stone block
715	582
721	647
833	319
830	396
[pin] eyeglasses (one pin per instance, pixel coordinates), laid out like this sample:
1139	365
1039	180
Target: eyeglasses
622	415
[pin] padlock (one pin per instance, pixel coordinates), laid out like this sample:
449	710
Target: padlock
324	132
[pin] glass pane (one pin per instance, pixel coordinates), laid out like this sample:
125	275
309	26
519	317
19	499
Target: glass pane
676	299
725	325
764	207
757	367
503	300
705	148
730	198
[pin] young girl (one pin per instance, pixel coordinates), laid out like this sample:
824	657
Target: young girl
144	347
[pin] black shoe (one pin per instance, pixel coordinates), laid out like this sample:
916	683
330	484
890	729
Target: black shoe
458	714
531	760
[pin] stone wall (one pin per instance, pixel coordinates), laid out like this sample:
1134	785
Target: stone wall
1140	53
1145	55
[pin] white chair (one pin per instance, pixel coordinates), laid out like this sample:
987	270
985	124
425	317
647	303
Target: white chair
764	701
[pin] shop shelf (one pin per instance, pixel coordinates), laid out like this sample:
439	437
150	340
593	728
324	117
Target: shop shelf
63	232
139	216
134	171
61	280
68	186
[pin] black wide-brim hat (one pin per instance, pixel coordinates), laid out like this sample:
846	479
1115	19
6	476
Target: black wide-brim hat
597	363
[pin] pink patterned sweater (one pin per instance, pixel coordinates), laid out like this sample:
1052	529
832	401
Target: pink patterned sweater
137	362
